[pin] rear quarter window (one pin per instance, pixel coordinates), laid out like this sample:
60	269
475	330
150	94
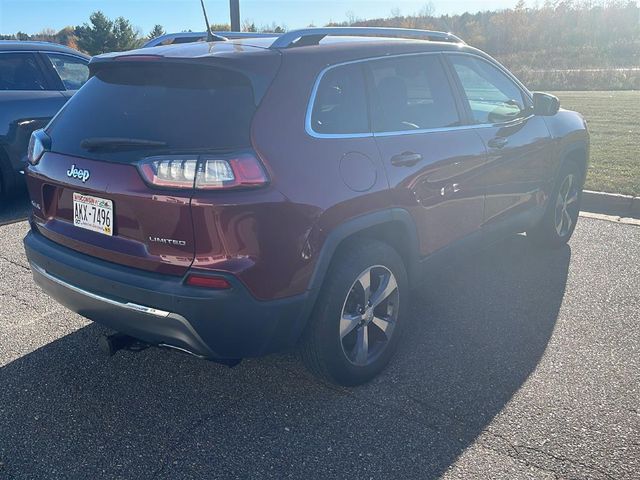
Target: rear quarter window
340	103
73	71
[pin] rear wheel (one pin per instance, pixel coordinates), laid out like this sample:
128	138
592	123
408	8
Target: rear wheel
560	218
355	327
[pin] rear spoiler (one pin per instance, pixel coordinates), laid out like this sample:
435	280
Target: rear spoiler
260	66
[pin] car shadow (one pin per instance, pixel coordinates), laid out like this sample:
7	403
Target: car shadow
14	208
478	331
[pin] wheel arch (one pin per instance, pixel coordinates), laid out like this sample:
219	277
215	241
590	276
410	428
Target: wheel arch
392	226
577	152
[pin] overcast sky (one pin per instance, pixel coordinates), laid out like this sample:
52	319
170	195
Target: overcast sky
31	16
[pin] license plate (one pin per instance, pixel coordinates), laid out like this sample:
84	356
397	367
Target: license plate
93	213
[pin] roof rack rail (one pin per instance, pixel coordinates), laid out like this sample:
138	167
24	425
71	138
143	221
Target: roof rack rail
189	37
312	36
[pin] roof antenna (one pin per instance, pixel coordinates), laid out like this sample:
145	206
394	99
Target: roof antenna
211	37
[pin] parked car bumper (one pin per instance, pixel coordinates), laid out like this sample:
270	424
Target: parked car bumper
161	309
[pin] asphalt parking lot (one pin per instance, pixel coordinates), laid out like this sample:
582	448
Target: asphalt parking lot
14	208
521	364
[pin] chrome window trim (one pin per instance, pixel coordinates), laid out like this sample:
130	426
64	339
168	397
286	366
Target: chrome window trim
45	52
312	98
429	130
18	51
126	305
77	57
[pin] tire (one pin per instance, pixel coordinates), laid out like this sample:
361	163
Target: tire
6	175
561	215
333	347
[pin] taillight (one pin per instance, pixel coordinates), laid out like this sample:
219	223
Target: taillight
39	143
205	172
170	171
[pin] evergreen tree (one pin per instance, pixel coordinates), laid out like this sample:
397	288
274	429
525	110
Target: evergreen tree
96	37
156	32
124	36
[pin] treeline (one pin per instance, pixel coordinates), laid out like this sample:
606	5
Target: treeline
605	34
557	35
535	42
101	34
250	26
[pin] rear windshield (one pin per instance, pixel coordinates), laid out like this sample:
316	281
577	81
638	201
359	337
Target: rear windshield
185	107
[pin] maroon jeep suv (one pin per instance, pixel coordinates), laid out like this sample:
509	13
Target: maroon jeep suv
240	197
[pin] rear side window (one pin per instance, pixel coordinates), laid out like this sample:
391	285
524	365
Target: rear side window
186	107
340	104
411	93
73	72
20	71
493	97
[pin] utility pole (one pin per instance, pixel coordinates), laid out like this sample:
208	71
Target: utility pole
234	7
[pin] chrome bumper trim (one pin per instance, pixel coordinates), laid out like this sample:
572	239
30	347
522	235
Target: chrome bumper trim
126	305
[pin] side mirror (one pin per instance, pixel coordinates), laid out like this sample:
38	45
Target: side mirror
545	104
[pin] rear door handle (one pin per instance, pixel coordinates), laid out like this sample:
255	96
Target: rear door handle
498	142
406	159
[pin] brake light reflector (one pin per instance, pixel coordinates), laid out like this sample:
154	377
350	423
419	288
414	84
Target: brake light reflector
218	283
249	169
138	58
216	172
230	171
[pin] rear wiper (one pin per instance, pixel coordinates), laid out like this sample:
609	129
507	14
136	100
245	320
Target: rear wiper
115	143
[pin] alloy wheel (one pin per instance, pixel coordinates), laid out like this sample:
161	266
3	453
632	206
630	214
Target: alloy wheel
566	205
369	315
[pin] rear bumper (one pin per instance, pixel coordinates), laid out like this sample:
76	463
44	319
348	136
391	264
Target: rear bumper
161	310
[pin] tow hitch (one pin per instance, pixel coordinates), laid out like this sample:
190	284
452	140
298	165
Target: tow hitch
110	344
